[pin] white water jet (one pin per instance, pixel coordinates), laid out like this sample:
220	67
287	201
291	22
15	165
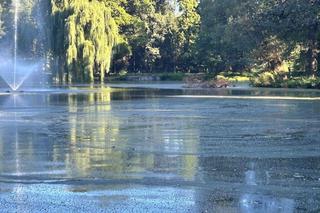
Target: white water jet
16	5
18	61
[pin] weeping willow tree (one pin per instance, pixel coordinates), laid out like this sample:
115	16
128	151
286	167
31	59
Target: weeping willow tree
84	36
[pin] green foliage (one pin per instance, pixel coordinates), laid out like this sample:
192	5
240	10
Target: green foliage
119	12
30	30
238	79
265	35
272	79
302	82
226	37
123	73
5	18
188	30
265	79
31	34
230	77
88	37
147	33
159	37
270	54
1	23
272	40
297	23
177	76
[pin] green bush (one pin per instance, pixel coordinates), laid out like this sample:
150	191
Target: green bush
265	79
238	79
123	73
302	82
272	79
177	76
209	76
231	77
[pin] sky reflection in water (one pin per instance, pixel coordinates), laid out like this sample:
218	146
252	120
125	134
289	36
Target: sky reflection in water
125	149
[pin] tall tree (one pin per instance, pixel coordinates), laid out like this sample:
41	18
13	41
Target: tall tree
85	34
144	34
227	34
6	18
296	21
188	23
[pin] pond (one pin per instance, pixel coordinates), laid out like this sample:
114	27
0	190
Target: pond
159	148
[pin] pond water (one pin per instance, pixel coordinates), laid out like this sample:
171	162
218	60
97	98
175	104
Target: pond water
159	148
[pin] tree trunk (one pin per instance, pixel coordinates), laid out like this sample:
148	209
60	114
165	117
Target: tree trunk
312	59
60	69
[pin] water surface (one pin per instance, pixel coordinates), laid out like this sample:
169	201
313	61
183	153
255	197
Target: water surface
159	149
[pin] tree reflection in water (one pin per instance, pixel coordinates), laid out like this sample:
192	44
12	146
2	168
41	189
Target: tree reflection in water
139	146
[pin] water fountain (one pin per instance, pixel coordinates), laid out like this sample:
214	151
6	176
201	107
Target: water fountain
16	16
17	66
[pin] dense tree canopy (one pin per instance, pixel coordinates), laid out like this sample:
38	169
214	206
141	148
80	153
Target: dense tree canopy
237	35
297	23
84	40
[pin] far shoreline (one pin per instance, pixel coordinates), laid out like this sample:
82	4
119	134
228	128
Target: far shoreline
214	82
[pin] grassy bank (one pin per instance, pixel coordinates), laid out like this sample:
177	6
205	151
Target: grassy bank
265	79
276	80
271	79
234	78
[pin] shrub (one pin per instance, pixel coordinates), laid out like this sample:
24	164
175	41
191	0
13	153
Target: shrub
123	73
271	79
302	82
177	76
239	79
265	79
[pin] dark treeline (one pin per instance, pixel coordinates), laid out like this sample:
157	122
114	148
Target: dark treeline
90	38
260	35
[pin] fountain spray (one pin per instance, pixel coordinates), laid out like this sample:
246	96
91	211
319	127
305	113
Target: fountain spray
16	18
